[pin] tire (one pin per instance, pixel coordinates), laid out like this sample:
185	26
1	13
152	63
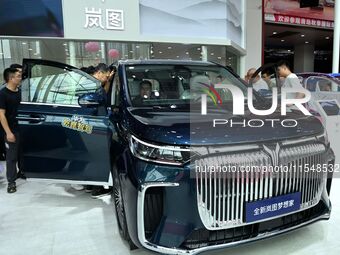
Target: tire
120	212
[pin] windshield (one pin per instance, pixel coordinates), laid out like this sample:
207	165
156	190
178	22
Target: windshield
157	85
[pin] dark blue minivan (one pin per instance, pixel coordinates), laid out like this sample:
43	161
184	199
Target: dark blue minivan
149	139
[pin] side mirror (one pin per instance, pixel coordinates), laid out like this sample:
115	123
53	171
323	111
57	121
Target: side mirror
91	100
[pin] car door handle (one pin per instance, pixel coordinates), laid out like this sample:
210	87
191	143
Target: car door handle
32	118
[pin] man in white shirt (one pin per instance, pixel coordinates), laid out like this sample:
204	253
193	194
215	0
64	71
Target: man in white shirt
291	80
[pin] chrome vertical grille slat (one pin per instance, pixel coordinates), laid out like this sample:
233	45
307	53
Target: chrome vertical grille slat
221	197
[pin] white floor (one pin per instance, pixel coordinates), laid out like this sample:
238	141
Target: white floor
47	218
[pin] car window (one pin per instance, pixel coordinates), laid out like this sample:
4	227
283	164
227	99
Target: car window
55	85
325	85
178	84
311	83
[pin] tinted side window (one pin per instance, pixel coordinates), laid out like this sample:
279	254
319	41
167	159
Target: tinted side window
54	85
311	83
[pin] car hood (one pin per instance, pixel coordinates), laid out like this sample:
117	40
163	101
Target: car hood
181	127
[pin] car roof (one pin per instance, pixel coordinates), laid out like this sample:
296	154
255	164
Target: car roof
164	62
313	74
326	75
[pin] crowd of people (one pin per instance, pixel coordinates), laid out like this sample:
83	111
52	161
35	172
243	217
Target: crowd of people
265	80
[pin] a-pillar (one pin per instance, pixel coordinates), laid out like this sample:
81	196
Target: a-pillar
304	58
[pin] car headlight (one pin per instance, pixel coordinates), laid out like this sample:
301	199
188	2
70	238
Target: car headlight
163	154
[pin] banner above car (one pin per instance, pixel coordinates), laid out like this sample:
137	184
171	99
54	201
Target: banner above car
289	12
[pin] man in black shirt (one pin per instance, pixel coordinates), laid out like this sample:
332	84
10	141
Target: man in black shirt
2	141
9	102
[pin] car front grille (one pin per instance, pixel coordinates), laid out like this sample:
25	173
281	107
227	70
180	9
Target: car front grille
221	196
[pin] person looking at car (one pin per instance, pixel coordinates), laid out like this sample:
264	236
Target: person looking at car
266	76
291	80
91	70
10	98
145	89
256	81
16	66
108	83
218	79
102	73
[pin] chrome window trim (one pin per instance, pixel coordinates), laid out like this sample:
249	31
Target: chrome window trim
108	183
54	105
165	250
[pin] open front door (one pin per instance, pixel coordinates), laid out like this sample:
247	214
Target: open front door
59	139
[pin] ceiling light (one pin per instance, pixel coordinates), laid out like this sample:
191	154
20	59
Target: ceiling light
169	47
274	33
30	49
187	53
131	51
23	43
302	35
212	53
160	52
306	42
219	57
137	46
288	50
327	37
282	40
65	44
177	56
198	48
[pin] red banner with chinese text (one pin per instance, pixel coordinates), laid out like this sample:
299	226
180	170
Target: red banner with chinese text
289	12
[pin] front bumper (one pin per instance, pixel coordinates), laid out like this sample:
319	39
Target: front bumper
253	233
178	228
